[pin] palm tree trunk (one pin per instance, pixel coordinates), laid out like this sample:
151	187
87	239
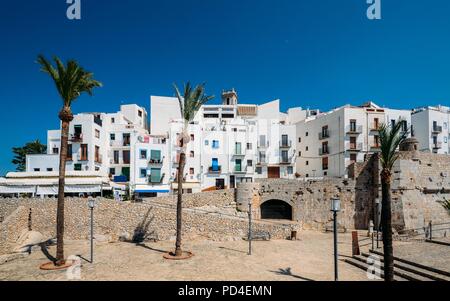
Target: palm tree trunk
386	224
61	184
178	250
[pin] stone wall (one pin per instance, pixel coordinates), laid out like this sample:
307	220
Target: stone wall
219	198
11	228
118	219
310	200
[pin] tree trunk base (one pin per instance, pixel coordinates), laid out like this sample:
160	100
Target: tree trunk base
184	255
53	266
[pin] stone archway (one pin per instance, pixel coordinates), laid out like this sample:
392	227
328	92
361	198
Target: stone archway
276	209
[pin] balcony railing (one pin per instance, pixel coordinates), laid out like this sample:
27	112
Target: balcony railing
324	135
238	153
437	129
324	151
240	169
76	138
285	144
156	161
215	170
355	147
156	180
263	144
354	129
261	161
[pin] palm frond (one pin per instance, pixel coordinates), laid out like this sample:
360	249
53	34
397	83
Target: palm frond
192	100
390	138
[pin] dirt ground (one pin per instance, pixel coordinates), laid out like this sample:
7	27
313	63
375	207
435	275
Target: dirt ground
309	258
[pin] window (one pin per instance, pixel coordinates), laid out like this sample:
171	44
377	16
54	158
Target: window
191	171
325	163
215	164
284	156
299	154
307	175
307	134
140	113
249	163
126	157
112	171
237	148
445	139
143	154
215	144
259	170
284	140
192	137
97	134
126	139
55	150
84	152
116	157
392	123
113	120
77	167
353	125
155	175
325	173
78	129
290	170
69	152
445	125
353	157
206	142
37	169
155	156
299	140
307	163
238	165
307	148
143	173
112	137
192	154
249	146
98	157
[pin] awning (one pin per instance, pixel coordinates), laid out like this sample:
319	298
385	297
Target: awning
4	189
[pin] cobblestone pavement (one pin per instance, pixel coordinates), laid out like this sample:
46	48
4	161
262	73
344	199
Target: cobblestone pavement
309	258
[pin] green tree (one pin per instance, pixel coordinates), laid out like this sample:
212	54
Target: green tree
190	103
446	204
390	139
30	148
71	80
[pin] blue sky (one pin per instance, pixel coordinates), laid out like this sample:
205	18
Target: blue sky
309	53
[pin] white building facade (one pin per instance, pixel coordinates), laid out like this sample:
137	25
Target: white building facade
431	129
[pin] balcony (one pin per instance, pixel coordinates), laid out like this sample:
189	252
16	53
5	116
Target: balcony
437	129
82	157
375	127
238	153
156	179
437	145
263	144
261	161
240	169
99	159
76	138
324	151
285	144
156	161
324	135
215	169
354	130
354	147
375	148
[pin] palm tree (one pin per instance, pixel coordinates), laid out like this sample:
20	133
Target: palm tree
446	204
71	81
190	103
390	139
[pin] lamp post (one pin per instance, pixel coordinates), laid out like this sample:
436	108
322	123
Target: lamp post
91	204
335	208
250	228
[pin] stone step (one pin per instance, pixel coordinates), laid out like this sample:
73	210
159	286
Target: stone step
412	269
362	264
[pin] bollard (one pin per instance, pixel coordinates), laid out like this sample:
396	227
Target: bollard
355	244
430	226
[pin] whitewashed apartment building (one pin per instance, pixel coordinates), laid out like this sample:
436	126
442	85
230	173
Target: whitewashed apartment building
230	143
327	143
431	129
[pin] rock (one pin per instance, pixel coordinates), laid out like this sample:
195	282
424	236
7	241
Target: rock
29	241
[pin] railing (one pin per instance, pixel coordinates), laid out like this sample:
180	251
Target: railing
263	145
375	127
156	181
156	161
238	153
437	145
261	161
324	151
215	170
77	138
286	144
354	147
240	169
437	129
358	129
324	135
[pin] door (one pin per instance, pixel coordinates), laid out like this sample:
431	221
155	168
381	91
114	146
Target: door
238	148
232	182
238	165
220	184
274	172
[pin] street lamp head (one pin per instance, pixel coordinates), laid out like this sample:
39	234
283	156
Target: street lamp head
91	203
335	205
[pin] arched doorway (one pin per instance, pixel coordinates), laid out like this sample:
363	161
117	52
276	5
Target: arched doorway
276	209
